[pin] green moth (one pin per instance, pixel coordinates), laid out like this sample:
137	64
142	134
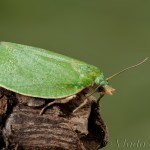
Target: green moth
42	73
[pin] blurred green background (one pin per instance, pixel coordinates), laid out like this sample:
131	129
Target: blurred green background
108	34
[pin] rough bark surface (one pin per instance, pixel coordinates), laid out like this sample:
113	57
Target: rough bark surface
21	126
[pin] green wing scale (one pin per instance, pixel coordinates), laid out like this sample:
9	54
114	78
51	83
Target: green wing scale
41	73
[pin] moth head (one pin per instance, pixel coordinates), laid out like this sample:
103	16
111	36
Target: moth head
102	83
106	89
103	87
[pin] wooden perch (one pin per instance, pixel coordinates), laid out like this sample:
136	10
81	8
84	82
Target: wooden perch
21	126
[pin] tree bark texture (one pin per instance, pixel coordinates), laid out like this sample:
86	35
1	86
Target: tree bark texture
21	126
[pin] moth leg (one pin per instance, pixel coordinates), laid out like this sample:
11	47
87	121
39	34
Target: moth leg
58	101
86	100
98	100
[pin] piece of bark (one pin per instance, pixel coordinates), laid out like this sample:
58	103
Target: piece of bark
58	128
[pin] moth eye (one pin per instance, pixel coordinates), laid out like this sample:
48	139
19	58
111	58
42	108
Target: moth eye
101	89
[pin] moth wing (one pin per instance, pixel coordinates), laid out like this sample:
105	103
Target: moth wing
41	73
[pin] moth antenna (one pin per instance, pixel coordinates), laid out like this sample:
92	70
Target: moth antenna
109	78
